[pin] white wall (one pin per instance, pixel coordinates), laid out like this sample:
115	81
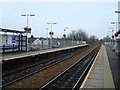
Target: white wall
3	38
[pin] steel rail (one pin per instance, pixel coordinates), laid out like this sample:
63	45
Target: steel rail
54	81
45	65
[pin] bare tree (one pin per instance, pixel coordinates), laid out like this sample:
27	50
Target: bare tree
78	35
93	38
81	35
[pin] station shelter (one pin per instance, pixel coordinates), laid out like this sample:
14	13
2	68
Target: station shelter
12	40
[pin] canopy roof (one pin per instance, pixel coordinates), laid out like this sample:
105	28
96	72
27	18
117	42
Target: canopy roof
11	31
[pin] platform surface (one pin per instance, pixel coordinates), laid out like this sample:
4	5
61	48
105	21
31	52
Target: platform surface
114	60
32	53
99	75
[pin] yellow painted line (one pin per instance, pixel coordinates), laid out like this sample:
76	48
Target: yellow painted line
107	79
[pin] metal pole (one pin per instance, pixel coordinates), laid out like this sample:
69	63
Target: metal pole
51	41
64	38
72	40
47	37
27	20
116	26
112	38
51	37
51	27
27	33
78	39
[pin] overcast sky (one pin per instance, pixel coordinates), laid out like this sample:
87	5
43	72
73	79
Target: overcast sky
93	17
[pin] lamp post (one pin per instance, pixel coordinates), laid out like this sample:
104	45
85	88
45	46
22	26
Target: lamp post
27	29
118	12
72	38
51	33
28	17
64	35
116	23
47	37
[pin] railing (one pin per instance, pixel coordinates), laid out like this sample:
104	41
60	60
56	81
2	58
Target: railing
45	44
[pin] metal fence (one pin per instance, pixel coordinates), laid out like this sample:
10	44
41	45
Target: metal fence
55	43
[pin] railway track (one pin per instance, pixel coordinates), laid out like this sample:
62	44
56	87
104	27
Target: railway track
72	77
12	77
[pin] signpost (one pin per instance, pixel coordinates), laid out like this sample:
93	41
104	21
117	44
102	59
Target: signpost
13	39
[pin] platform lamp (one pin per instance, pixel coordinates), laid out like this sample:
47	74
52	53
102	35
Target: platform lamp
51	33
27	29
47	38
118	12
116	23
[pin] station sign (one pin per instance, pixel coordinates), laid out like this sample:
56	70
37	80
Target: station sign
13	39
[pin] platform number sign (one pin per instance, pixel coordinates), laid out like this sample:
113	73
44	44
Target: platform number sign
13	39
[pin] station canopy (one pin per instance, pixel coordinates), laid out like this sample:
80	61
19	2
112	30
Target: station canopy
11	31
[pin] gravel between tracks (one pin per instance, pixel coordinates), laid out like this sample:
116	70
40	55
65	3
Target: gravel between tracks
39	79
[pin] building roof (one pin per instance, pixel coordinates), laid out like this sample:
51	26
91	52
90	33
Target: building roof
11	31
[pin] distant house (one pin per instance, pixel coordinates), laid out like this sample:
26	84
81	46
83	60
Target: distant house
37	42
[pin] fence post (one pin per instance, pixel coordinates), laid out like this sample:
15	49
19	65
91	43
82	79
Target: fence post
19	42
26	42
3	48
13	47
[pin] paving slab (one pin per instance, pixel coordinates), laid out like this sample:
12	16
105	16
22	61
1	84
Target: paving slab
99	75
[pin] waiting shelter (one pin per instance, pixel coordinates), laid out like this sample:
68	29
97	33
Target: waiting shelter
12	40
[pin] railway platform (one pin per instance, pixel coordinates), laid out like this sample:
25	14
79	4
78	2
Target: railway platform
11	56
99	75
